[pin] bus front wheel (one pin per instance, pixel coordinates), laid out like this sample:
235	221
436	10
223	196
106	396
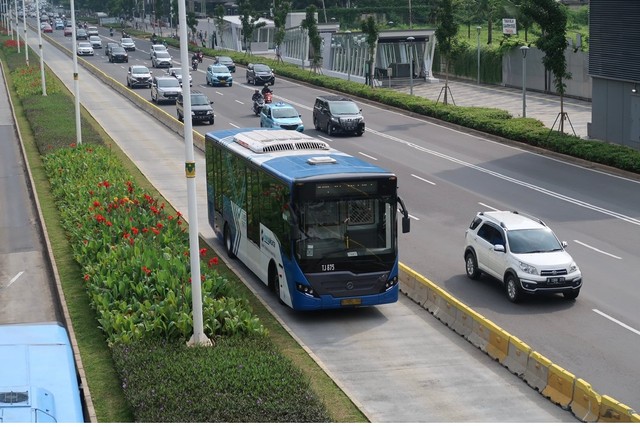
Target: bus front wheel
228	243
274	282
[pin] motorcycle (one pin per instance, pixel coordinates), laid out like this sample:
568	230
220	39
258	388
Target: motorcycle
194	64
268	97
111	32
257	105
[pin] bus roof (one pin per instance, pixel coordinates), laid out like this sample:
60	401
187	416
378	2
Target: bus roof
38	380
292	155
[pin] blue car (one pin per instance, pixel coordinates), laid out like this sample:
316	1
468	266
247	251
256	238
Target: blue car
219	75
281	116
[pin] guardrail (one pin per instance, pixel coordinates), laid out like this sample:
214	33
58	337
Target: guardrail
555	383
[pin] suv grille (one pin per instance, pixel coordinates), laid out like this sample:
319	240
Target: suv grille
289	127
559	272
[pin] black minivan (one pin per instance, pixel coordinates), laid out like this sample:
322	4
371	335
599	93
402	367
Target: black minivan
337	114
201	108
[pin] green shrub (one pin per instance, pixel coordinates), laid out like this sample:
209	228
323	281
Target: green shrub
238	380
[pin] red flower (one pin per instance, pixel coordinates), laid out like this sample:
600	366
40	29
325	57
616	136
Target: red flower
159	225
155	231
86	277
203	251
134	230
96	203
213	261
146	270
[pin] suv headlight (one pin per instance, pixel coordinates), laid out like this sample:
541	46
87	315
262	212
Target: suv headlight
529	269
573	267
335	120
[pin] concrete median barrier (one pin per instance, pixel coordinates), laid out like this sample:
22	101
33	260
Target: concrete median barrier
586	402
560	385
517	356
612	411
463	324
445	310
479	335
537	372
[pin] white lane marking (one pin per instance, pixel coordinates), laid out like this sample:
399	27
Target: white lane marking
239	102
542	190
487	206
606	316
366	155
597	250
235	126
324	137
422	179
222	94
16	277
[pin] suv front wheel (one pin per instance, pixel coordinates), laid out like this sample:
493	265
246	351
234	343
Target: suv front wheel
471	266
512	287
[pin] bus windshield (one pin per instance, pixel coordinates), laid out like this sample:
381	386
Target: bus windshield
345	228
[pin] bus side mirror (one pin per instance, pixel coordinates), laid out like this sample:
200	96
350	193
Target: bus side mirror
406	224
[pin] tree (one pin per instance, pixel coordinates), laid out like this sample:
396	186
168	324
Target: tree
370	29
310	24
282	8
467	13
218	18
192	23
488	9
249	23
551	16
446	31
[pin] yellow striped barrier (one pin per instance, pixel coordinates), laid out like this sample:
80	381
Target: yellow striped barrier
612	411
498	344
537	371
586	402
560	385
445	310
517	356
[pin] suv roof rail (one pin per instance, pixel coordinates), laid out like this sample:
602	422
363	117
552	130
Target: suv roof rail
531	217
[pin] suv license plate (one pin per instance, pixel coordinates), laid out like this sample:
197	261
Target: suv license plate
555	280
351	301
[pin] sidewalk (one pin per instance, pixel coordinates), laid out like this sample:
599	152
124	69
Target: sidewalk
543	107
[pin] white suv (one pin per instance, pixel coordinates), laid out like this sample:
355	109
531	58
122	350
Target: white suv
522	252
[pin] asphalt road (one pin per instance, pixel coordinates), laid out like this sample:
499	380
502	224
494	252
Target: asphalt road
26	288
446	176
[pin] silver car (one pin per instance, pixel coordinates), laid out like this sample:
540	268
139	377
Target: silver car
138	76
161	60
96	42
165	89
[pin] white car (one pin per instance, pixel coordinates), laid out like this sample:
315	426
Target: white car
523	253
162	60
84	48
177	73
92	31
156	48
128	44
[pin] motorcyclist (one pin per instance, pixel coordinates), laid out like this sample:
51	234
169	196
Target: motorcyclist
256	96
194	61
199	55
266	89
111	31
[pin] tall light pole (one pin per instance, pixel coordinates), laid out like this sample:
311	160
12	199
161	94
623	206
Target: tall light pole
199	337
524	50
348	34
76	82
410	39
24	22
15	6
42	79
478	28
410	17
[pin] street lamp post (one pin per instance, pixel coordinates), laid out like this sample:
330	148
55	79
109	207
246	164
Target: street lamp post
524	50
410	39
42	79
348	33
478	28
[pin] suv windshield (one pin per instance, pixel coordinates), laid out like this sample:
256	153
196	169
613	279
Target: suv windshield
343	107
199	99
139	70
261	68
532	241
219	69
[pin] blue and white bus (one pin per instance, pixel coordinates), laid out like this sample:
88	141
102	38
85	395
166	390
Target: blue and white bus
316	225
38	376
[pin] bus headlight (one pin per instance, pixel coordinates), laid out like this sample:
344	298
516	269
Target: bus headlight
391	282
306	289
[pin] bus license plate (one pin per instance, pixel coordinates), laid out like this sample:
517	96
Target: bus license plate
351	301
